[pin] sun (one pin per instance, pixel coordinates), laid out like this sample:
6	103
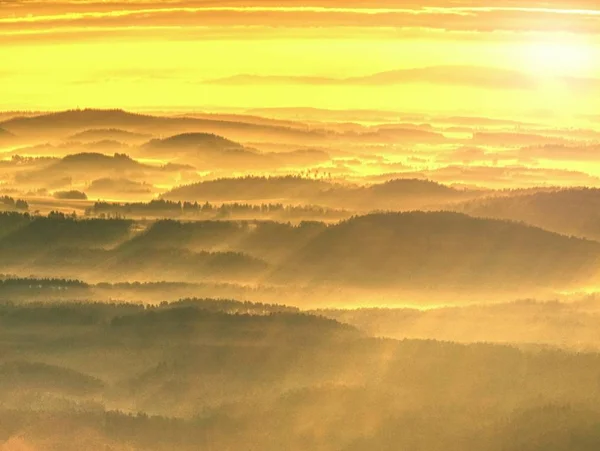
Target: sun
558	57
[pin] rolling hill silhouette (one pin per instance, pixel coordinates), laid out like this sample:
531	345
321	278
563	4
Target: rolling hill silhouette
82	168
38	376
207	150
429	252
113	134
568	211
397	194
74	121
118	186
249	188
96	161
192	141
441	250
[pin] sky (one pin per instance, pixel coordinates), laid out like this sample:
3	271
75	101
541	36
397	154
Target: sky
516	58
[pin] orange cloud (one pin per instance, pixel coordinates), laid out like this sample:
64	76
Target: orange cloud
452	19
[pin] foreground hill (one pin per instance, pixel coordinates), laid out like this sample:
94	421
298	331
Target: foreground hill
273	379
441	251
568	211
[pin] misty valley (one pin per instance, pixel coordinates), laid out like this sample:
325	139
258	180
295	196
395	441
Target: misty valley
298	279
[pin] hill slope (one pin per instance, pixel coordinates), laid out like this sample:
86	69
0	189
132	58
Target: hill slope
441	251
69	122
398	194
569	211
249	188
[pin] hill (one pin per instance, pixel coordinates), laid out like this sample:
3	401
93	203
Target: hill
33	376
192	141
4	134
206	151
525	322
66	123
434	255
111	134
397	194
271	379
106	250
96	161
441	251
76	171
568	211
249	188
113	187
210	151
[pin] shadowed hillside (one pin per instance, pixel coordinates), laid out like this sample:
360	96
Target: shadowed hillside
569	211
435	253
441	250
5	135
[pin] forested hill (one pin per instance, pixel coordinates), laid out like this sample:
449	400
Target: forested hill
436	251
397	194
179	376
249	188
573	211
441	249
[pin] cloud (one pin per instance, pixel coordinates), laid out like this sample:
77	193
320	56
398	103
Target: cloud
468	17
474	76
485	77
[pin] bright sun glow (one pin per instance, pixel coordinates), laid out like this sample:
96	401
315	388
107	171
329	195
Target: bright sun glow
559	58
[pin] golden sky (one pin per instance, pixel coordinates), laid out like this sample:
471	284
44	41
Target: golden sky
515	58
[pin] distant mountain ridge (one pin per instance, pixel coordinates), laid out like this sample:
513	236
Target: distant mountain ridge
75	121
